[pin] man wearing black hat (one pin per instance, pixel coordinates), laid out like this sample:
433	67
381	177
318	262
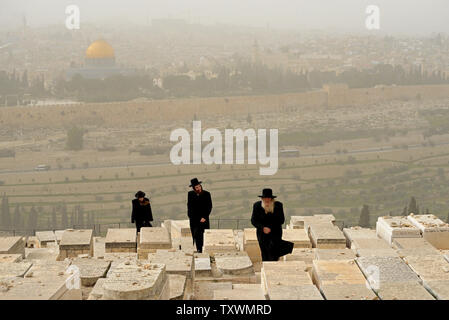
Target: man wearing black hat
268	218
141	214
199	207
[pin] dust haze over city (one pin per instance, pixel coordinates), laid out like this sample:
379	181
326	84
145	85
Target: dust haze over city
87	111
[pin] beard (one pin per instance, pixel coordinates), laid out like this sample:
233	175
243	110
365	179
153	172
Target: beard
268	208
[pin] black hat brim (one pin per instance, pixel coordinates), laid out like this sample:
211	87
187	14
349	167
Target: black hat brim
193	185
272	197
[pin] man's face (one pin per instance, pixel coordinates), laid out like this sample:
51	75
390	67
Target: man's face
198	188
141	199
267	201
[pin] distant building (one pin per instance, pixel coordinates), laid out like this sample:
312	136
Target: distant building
99	63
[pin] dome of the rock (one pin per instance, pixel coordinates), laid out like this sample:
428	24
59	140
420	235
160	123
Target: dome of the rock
100	50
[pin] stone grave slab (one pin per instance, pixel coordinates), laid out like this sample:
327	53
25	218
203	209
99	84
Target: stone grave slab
284	274
205	290
151	239
76	242
58	235
137	281
376	253
45	237
336	272
234	263
14	269
440	289
299	237
375	243
379	270
180	228
9	245
326	237
219	240
121	240
48	253
176	262
334	254
348	292
45	288
303	222
433	229
403	291
353	233
8	258
97	291
307	255
303	292
99	247
429	268
392	227
239	294
91	270
203	266
251	245
177	284
414	247
187	245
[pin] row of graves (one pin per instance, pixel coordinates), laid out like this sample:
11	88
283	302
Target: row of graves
404	258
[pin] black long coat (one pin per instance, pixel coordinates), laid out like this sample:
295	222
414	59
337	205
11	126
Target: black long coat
269	243
199	206
141	213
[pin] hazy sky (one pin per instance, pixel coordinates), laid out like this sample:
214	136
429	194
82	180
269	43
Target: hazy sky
397	16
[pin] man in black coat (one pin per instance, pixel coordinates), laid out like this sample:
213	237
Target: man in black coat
199	207
268	218
141	213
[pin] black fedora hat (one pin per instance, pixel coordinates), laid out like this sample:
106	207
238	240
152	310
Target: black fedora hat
140	194
194	182
267	193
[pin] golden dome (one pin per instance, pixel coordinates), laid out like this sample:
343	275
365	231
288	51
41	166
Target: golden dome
99	50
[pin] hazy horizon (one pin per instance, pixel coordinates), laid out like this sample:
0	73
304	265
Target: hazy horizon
411	17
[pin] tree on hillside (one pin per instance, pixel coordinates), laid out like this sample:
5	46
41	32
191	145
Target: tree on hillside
32	219
404	212
75	138
54	224
5	217
64	218
364	217
17	218
413	206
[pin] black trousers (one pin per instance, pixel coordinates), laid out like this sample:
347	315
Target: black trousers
140	224
198	238
269	248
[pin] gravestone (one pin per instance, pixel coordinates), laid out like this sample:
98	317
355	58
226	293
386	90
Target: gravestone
219	240
152	239
390	228
11	245
137	281
326	237
121	240
45	237
299	237
74	243
433	229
